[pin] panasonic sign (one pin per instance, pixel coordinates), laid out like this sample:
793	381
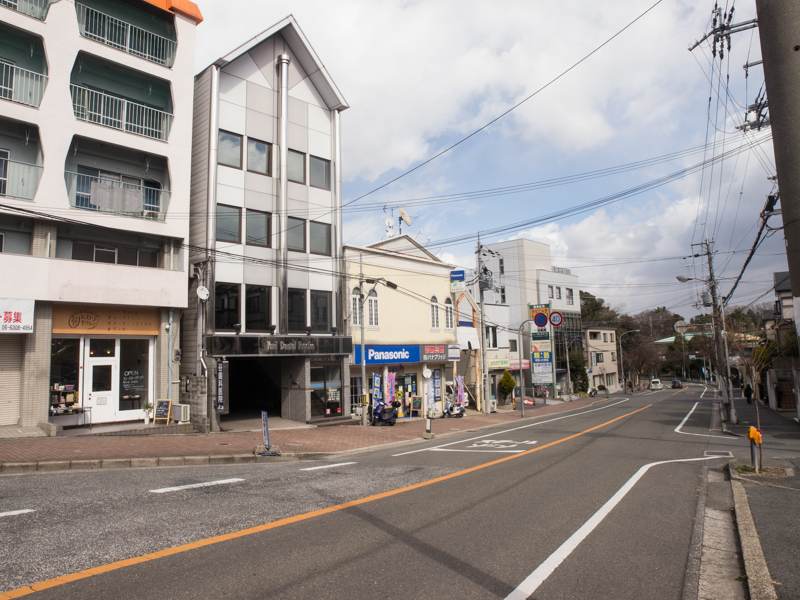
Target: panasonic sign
382	355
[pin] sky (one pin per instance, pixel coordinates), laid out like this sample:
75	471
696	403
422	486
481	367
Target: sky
611	102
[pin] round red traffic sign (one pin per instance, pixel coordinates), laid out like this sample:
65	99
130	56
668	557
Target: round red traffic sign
540	320
556	318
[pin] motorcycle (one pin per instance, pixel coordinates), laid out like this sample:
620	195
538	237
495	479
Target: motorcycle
451	409
385	413
593	392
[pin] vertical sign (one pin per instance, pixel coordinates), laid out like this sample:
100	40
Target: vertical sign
437	384
265	429
222	386
376	386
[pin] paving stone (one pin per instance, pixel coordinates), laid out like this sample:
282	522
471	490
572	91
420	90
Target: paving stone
116	463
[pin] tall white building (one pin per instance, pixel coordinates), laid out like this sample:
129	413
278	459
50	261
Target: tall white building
95	146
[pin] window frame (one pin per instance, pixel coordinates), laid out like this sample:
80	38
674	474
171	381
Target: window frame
434	314
502	294
600	357
269	157
449	315
329	320
327	171
247	211
241	149
305	175
558	292
570	296
305	310
268	297
373	308
550	291
311	236
238	307
355	306
502	267
238	209
4	176
305	237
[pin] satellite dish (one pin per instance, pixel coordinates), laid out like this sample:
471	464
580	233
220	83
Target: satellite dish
390	232
681	327
202	292
389	221
405	217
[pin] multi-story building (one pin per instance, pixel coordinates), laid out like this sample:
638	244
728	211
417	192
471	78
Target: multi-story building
409	321
523	275
95	140
265	301
600	347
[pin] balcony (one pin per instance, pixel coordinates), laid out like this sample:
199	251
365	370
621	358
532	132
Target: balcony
33	8
118	113
125	36
117	194
21	85
23	67
17	179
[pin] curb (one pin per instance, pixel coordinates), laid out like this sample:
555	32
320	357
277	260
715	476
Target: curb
691	580
759	580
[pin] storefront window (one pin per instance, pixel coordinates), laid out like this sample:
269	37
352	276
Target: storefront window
226	306
101	378
101	348
297	311
326	391
134	373
64	361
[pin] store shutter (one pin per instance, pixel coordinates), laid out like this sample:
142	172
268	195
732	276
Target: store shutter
11	350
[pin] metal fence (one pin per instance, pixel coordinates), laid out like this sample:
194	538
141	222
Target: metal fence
19	180
33	8
21	85
116	196
121	35
118	113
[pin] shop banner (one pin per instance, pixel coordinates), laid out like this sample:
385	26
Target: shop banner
16	315
437	353
382	355
108	320
391	380
459	389
376	387
514	364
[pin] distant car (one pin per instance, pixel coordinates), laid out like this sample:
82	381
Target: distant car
655	384
677	384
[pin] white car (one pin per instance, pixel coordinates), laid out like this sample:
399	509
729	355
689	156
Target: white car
655	384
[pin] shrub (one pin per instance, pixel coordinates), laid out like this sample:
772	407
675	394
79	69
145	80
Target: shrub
601	388
507	384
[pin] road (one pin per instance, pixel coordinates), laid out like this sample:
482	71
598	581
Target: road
593	503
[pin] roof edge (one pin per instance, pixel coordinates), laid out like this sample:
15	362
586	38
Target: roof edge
184	7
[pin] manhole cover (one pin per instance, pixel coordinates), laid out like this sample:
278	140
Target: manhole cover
718	453
293	444
223	444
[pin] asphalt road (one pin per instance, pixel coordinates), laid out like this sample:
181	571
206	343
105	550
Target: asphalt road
569	506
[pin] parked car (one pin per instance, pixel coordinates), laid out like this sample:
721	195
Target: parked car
655	384
677	384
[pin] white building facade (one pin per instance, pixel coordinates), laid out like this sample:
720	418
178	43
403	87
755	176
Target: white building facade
95	145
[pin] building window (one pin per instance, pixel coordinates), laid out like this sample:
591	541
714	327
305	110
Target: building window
512	345
372	309
558	292
226	306
319	172
256	307
570	297
599	357
319	238
612	337
491	337
296	310
4	157
296	165
259	157
356	310
434	313
613	357
449	315
549	291
605	337
229	152
594	335
320	311
257	228
2	240
113	255
610	379
502	267
502	294
228	224
296	234
113	191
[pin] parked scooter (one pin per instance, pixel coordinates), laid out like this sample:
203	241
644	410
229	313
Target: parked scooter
453	409
593	392
385	413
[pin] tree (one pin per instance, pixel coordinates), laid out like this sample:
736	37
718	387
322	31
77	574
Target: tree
506	385
577	370
594	311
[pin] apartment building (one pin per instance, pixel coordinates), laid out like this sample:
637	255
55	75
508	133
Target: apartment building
600	344
264	328
95	140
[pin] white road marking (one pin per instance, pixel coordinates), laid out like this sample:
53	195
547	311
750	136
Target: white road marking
514	429
195	485
457	450
705	389
328	466
543	571
686	418
11	513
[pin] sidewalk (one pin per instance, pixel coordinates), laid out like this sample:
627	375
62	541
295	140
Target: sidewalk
772	497
32	454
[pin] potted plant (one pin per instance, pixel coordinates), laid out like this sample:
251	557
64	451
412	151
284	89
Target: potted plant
147	408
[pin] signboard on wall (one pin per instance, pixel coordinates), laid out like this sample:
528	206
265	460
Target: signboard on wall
454	352
106	320
16	316
382	355
433	353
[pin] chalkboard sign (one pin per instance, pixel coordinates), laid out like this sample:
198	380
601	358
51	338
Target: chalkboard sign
416	403
163	411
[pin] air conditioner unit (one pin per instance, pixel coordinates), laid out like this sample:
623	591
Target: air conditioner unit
180	412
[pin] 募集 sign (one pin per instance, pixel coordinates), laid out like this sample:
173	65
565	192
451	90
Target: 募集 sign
16	316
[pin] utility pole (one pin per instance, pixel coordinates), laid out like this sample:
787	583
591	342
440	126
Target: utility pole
483	284
779	32
361	300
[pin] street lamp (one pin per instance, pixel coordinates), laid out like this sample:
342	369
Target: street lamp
621	363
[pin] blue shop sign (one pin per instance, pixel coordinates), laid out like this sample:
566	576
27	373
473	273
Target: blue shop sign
387	355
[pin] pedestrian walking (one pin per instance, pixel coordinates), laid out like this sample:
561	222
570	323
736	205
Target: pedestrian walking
748	393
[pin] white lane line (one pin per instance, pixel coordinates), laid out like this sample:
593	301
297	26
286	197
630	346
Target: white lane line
705	389
11	513
543	571
514	429
195	485
328	466
457	450
708	435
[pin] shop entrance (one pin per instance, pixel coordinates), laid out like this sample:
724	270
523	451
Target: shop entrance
254	386
100	391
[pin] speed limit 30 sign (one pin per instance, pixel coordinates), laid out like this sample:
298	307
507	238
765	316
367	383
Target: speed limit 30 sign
556	318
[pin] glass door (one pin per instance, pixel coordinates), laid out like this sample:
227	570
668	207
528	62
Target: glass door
101	377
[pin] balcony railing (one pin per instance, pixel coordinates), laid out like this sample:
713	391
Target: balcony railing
118	34
115	196
21	85
118	113
33	8
19	180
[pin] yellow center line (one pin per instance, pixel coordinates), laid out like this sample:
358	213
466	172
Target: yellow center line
43	585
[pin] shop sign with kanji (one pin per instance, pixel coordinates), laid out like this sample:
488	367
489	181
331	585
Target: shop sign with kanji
16	316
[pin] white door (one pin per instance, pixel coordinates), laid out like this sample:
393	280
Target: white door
100	379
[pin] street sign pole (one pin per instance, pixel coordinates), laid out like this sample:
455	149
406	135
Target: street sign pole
552	349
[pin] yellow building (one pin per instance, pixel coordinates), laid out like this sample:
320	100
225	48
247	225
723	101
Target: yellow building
409	322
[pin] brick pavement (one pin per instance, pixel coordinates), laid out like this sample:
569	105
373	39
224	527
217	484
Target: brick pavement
306	440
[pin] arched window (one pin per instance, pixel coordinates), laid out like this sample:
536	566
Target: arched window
372	309
449	320
356	311
434	313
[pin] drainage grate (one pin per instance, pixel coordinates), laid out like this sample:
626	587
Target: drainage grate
718	453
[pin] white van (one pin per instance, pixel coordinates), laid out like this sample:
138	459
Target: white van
655	384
